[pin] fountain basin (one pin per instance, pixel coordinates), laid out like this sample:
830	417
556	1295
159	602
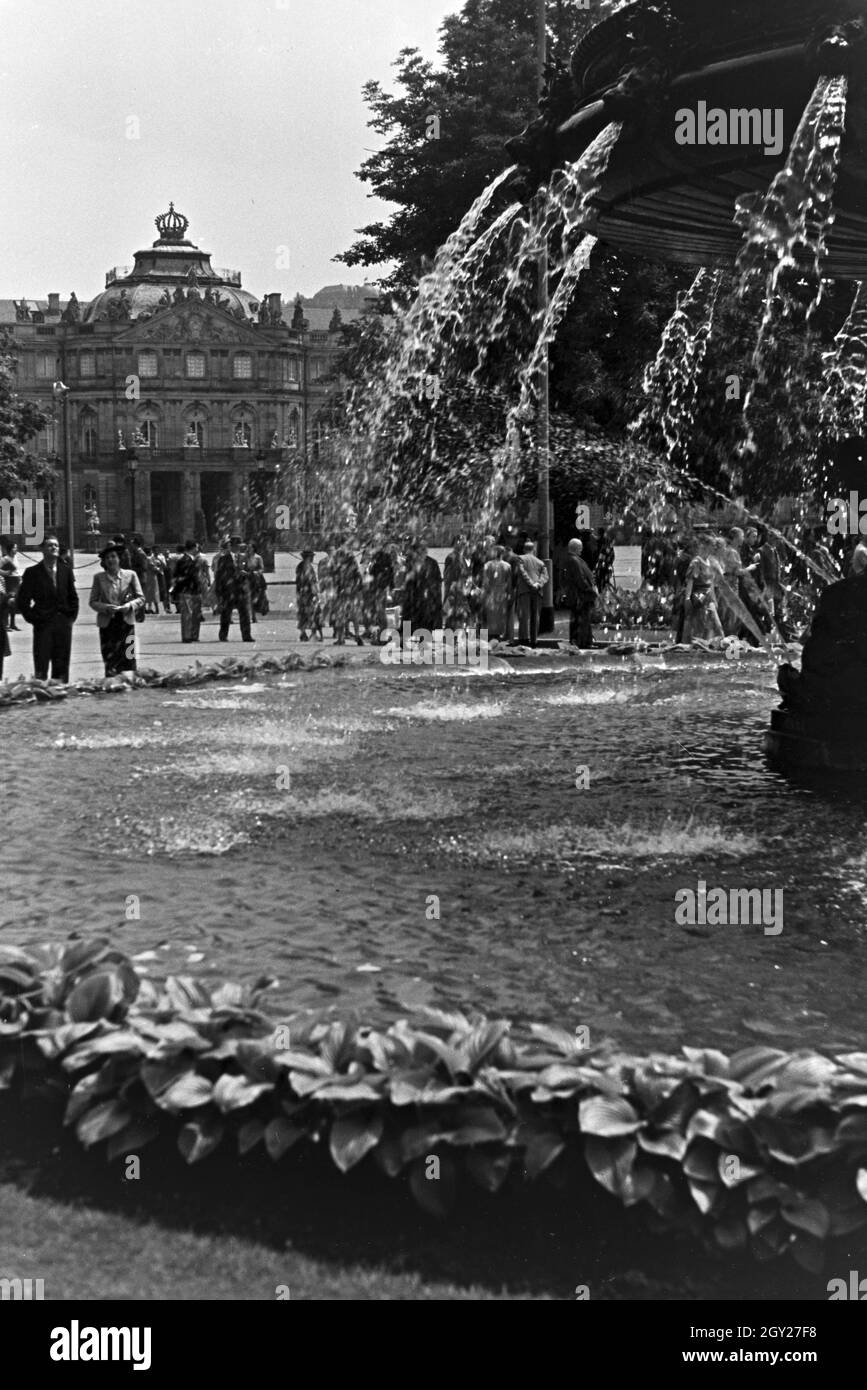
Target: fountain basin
675	202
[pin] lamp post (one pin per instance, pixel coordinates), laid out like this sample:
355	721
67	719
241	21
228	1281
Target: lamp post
131	466
543	437
61	392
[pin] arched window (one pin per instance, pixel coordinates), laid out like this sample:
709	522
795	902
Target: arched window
194	429
294	429
242	429
88	432
319	439
90	497
195	364
147	365
146	434
242	366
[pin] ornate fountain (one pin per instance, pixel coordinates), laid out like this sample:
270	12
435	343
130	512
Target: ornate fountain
710	96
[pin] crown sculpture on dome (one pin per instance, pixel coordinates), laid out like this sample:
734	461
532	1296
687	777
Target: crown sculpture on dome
171	225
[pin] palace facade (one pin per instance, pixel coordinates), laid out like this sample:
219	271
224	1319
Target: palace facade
193	407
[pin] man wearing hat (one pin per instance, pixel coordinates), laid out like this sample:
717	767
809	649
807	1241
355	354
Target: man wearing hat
232	588
532	576
191	584
115	597
48	601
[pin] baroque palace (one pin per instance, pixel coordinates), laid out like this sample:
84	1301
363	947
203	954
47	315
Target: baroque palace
193	407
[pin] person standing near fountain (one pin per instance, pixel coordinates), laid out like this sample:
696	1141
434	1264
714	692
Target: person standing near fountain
701	617
115	595
189	591
348	585
12	578
457	583
48	601
307	598
232	589
531	579
422	594
5	649
580	594
497	593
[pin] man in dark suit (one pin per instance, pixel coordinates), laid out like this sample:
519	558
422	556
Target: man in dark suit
48	601
580	593
232	589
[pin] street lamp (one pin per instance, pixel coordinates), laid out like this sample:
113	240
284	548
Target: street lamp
61	392
131	466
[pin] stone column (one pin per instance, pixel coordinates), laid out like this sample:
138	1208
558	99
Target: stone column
143	517
191	491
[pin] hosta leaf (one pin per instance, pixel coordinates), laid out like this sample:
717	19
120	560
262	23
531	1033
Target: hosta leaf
236	1092
96	997
251	1133
541	1151
52	1044
228	996
607	1117
280	1135
201	1137
730	1234
852	1130
186	992
435	1194
805	1070
352	1137
101	1122
186	1093
704	1194
810	1216
489	1170
610	1161
481	1043
707	1060
754	1065
809	1253
134	1137
668	1144
861	1183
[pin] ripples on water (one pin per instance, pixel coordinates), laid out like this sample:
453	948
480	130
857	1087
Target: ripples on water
404	788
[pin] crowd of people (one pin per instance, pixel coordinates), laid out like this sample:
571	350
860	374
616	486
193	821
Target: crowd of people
728	586
134	580
493	586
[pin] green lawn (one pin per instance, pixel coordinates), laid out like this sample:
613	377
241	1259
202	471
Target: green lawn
82	1253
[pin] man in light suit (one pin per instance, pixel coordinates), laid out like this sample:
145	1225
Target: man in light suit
531	578
48	601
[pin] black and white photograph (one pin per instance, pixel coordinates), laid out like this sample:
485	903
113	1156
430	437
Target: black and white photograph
477	913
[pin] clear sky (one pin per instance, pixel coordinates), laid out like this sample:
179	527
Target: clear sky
249	116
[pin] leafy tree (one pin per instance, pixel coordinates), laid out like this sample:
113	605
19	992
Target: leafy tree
20	421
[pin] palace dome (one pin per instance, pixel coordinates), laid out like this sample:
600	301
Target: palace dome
171	270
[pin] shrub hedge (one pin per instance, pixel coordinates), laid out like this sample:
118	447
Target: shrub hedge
763	1151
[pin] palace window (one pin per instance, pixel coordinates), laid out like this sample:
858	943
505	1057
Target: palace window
87	427
242	431
87	364
90	497
290	368
242	366
317	368
148	430
195	364
194	432
46	366
292	436
319	439
147	364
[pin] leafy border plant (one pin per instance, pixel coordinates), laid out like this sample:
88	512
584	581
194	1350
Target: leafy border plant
763	1151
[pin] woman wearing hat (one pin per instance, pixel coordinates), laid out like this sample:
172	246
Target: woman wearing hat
115	596
307	598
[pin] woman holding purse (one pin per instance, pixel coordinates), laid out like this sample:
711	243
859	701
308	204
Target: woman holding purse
115	597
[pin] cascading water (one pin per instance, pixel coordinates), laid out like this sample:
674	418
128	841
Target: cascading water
671	380
459	335
842	403
785	239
